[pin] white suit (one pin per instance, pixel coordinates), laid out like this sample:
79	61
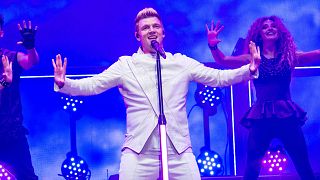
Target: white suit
136	79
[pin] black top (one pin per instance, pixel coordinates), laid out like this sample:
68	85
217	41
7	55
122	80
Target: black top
10	101
273	93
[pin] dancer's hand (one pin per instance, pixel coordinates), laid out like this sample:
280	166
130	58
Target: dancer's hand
213	33
7	70
28	35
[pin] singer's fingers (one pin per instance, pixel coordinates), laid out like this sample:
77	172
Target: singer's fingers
29	23
58	60
24	24
19	27
65	64
36	28
53	64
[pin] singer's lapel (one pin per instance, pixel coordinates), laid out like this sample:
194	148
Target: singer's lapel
150	92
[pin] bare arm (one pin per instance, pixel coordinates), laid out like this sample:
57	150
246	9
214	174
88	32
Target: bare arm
213	41
28	60
308	58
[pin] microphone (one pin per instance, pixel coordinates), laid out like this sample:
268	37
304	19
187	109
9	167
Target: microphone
156	46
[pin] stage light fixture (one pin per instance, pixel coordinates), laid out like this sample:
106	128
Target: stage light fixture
275	160
208	98
75	168
210	163
71	104
5	174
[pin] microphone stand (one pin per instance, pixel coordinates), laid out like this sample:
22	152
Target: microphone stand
164	175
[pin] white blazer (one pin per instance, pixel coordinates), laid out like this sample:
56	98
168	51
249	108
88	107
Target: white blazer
136	79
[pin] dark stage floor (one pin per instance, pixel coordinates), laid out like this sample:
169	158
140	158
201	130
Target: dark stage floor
263	177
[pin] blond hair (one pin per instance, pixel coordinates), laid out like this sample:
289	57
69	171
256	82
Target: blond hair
146	13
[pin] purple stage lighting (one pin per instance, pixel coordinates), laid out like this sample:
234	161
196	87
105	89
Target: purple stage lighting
274	161
5	174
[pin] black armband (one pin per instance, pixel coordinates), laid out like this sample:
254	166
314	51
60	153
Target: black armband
215	47
4	83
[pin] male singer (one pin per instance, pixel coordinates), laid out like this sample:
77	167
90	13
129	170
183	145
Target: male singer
135	77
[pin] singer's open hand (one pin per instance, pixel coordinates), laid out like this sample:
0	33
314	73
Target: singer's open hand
59	70
213	33
255	56
7	69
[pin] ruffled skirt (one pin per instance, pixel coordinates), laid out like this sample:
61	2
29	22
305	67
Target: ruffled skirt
279	109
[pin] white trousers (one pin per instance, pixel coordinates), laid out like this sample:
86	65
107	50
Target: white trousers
135	166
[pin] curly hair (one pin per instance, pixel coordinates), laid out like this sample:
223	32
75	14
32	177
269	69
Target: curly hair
285	45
